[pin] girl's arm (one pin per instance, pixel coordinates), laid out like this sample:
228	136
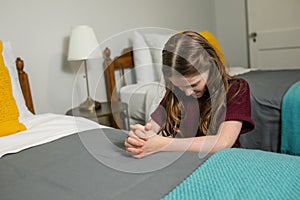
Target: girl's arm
227	135
152	125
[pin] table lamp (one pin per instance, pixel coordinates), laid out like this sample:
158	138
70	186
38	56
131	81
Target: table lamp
82	43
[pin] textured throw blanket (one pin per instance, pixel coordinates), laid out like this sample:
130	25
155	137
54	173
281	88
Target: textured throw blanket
290	121
242	174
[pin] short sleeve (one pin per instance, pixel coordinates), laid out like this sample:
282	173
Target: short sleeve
159	115
239	104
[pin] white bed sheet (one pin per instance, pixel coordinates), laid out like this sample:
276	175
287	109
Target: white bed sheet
43	128
234	71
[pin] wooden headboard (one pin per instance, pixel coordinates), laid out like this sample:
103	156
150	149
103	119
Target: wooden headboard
119	63
24	83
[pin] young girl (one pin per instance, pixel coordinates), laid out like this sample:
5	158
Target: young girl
203	109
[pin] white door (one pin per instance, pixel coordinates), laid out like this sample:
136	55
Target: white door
274	33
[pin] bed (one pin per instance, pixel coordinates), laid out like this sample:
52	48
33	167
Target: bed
267	87
64	157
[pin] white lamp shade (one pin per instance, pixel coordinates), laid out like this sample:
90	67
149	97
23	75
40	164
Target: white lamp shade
82	43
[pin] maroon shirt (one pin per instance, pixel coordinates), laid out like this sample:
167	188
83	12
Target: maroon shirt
238	109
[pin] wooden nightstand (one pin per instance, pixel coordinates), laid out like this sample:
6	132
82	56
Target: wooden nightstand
113	114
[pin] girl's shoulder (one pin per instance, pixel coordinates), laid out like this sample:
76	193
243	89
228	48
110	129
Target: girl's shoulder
238	85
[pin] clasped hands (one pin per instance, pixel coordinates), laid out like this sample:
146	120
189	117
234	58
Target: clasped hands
142	141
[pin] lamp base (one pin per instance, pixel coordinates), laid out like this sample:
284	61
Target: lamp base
90	105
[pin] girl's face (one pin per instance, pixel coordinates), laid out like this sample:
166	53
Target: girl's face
191	85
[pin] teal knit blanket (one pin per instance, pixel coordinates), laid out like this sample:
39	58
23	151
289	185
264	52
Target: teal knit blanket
290	121
242	174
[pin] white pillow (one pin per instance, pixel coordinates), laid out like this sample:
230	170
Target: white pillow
142	60
156	43
9	61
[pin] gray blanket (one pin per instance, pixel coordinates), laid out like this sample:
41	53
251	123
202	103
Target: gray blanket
92	165
267	90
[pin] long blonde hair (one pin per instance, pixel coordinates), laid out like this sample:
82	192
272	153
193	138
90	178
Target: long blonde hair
189	54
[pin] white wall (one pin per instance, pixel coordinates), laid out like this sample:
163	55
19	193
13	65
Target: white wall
39	31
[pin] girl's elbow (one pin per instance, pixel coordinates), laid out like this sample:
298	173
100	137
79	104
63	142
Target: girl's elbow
222	145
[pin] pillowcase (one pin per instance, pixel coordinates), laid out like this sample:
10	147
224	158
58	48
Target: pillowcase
143	64
9	62
156	43
214	42
9	114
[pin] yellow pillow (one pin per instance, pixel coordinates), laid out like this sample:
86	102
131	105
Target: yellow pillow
9	114
214	42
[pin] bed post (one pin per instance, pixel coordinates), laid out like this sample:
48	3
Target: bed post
110	81
24	83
